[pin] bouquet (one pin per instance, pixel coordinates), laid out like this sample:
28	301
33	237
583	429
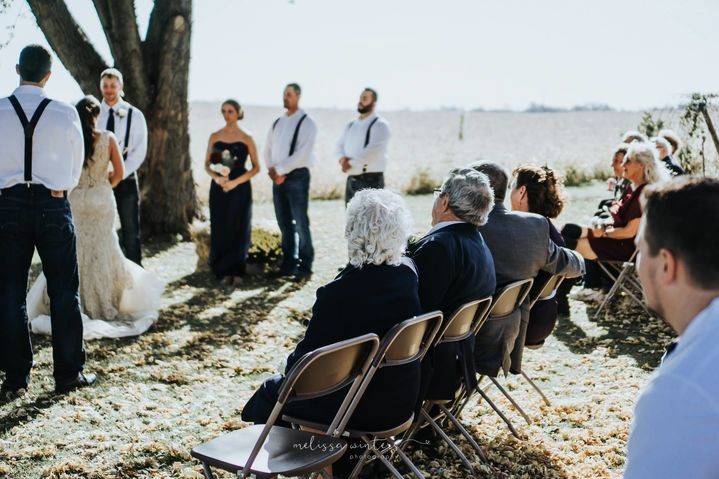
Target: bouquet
222	163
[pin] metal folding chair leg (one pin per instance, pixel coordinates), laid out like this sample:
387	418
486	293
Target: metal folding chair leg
360	464
536	388
207	471
463	430
407	461
449	441
511	399
499	412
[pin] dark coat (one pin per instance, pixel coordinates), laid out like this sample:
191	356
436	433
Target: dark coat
454	267
371	299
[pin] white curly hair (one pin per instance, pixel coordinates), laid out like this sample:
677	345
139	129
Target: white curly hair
377	228
646	153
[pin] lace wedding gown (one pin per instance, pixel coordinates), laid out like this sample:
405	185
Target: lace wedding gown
118	298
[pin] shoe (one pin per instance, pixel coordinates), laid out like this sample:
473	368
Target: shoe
237	281
302	276
80	381
282	273
10	393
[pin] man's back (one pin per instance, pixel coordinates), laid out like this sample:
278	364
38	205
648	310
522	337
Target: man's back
521	247
58	148
674	433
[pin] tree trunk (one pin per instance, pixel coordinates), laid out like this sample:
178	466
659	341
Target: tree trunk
156	75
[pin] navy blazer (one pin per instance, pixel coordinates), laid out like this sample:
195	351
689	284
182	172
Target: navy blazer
371	299
455	266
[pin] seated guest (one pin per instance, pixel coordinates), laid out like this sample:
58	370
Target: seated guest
673	140
454	267
536	189
665	148
614	239
617	184
521	247
631	136
677	415
376	291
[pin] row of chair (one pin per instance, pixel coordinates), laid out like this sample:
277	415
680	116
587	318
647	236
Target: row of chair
308	448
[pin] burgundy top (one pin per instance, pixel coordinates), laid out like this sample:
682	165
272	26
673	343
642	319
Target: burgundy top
630	207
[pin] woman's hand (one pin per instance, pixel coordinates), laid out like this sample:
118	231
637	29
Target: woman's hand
598	232
221	180
229	185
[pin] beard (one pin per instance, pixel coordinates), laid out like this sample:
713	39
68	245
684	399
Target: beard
362	109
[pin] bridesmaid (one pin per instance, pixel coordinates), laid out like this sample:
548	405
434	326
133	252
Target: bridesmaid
230	194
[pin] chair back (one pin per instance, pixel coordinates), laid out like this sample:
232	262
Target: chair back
464	321
406	342
318	373
510	297
546	289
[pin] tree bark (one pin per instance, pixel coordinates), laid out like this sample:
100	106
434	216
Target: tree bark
69	42
167	179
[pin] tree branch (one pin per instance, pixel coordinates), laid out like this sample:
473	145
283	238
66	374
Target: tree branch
69	42
120	26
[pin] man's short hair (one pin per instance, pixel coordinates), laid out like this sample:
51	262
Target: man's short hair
621	148
681	216
672	138
498	178
34	63
112	73
373	92
295	87
469	195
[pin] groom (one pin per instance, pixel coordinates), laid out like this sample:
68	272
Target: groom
128	124
41	159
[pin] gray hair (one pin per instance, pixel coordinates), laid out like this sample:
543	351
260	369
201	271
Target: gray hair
646	154
661	142
377	228
633	135
469	195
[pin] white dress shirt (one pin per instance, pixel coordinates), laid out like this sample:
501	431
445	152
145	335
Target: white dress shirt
137	150
675	433
373	157
58	149
279	140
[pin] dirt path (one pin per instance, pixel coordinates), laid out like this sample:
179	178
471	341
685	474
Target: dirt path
187	379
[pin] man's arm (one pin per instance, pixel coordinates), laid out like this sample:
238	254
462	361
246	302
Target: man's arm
78	146
137	151
303	149
562	260
376	148
433	268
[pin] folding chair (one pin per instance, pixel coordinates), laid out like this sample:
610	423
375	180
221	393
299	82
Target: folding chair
505	303
462	324
405	343
624	278
269	450
542	291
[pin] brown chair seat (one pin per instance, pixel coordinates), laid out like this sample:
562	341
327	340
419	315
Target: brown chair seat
355	432
285	451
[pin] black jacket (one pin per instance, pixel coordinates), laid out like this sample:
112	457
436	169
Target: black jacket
455	267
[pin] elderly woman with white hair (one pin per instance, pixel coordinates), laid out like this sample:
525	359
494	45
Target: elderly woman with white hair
455	266
375	291
614	239
665	148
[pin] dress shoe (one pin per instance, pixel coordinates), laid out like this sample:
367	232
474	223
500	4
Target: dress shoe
302	276
82	380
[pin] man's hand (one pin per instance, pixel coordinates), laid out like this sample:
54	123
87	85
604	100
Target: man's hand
345	164
272	173
279	179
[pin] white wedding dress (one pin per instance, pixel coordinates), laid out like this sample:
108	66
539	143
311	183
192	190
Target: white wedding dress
118	298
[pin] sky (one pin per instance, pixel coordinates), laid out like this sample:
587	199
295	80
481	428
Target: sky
422	54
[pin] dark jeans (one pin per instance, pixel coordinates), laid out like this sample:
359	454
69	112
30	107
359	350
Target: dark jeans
127	197
291	200
364	181
30	217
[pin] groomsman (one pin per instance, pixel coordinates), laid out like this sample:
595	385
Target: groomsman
289	152
128	124
362	148
40	160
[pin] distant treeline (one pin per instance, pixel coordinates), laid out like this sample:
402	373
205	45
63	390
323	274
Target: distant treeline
540	108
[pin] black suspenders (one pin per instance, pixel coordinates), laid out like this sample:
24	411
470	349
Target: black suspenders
369	128
29	129
127	135
297	132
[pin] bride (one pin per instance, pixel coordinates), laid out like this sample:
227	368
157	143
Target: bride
118	297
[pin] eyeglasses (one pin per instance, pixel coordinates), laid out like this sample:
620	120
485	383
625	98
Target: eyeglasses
437	192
